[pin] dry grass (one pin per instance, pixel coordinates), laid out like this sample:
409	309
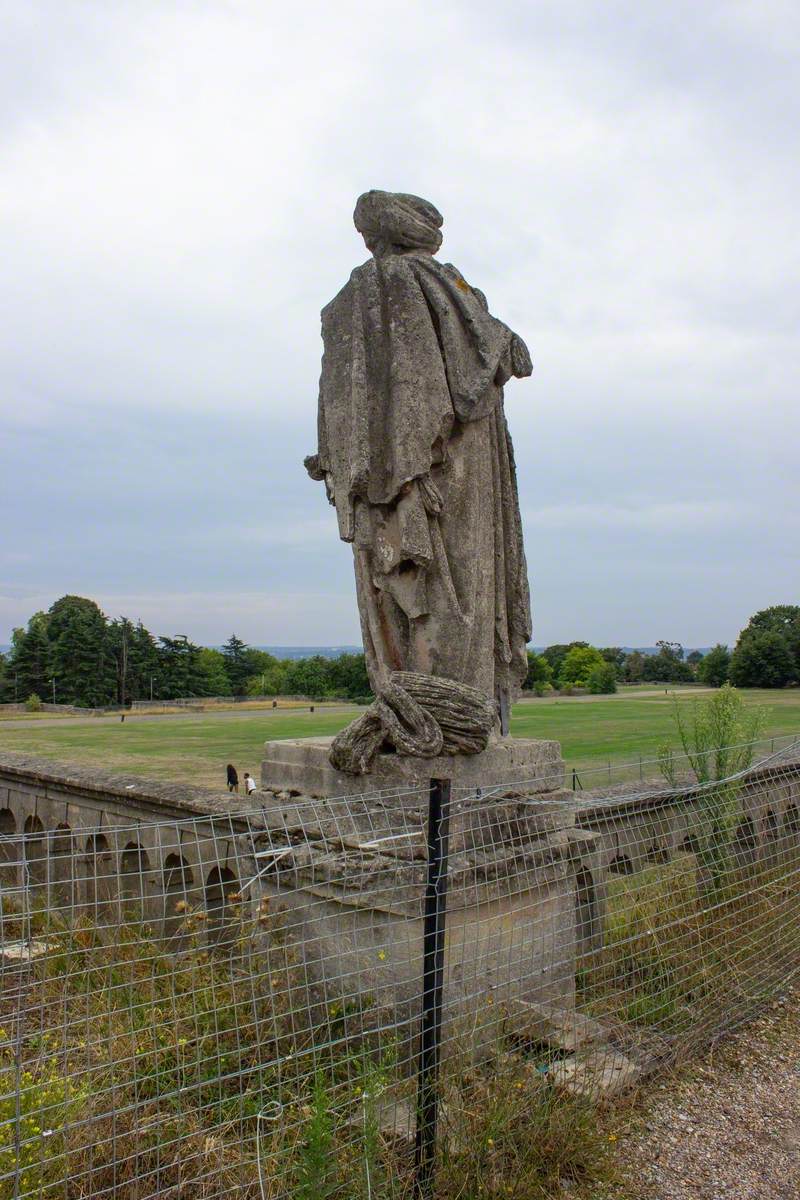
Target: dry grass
144	1074
679	965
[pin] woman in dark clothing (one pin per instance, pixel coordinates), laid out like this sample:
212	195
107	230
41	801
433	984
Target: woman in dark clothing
233	778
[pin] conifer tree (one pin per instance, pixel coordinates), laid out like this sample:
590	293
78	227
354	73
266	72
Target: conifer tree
237	664
80	654
181	670
29	670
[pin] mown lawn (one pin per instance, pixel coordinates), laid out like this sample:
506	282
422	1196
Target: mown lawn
195	748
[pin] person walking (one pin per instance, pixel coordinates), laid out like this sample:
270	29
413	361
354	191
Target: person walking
233	778
249	783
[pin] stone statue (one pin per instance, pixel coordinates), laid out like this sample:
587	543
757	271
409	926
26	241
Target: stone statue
416	456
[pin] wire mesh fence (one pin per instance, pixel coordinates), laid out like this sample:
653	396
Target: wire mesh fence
239	1004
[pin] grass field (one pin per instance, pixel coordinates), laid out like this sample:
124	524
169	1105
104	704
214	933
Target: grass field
593	731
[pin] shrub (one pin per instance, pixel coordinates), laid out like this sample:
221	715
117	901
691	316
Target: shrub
578	664
539	672
762	659
718	742
602	680
47	1103
33	703
713	669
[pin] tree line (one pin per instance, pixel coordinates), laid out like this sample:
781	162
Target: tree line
766	655
75	654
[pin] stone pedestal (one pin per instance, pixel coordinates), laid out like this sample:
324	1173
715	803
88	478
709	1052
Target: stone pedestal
301	767
352	881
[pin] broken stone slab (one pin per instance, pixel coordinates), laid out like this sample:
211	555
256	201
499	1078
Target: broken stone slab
595	1075
396	1121
15	954
302	766
561	1028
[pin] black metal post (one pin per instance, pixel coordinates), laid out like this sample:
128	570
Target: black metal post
432	985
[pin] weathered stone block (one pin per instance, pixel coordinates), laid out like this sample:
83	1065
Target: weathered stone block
602	1072
302	766
562	1028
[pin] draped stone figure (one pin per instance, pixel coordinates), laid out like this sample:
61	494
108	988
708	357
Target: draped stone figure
416	456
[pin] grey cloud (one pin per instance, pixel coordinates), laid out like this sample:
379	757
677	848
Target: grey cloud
621	180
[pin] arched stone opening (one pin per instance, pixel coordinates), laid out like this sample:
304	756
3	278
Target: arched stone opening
34	848
178	883
221	888
770	850
134	870
621	865
745	843
100	879
587	920
690	844
657	853
62	863
9	849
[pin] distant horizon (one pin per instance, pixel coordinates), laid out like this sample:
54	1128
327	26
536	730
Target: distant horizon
328	650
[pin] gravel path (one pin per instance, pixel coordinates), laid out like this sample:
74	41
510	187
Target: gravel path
727	1127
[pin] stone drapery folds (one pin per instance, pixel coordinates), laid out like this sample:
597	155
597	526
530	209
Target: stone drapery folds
416	457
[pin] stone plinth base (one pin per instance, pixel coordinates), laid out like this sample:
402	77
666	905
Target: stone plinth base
301	767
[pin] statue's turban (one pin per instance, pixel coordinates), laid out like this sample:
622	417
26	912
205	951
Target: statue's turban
399	219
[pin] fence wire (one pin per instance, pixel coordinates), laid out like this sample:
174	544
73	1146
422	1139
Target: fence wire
215	1006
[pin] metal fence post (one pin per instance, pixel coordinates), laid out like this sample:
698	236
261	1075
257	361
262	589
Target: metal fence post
432	985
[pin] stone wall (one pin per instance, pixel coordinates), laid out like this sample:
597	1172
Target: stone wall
634	832
90	841
96	842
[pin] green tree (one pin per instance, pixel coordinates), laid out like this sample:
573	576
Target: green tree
540	673
80	655
556	654
767	652
29	666
309	677
211	665
668	666
578	665
347	676
264	673
180	672
634	666
259	660
783	619
713	668
237	664
270	681
616	656
144	664
762	659
119	636
602	679
138	666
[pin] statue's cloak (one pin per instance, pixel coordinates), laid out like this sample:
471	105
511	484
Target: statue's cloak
415	453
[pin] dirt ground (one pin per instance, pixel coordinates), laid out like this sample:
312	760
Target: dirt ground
724	1128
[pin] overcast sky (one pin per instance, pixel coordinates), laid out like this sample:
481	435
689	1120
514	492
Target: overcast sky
177	183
